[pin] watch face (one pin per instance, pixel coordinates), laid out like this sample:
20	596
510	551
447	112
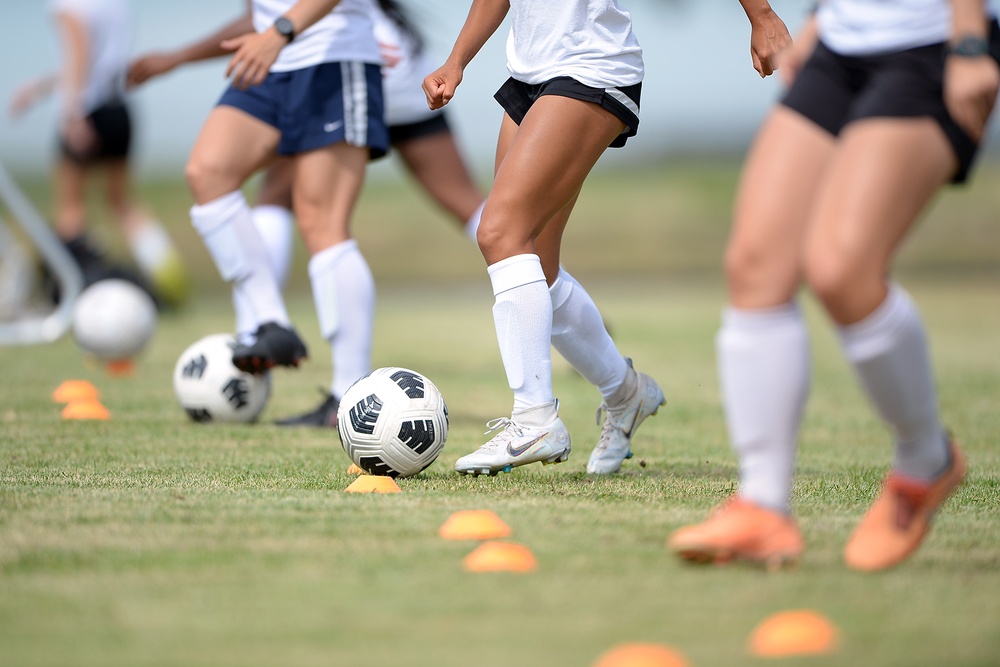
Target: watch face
284	27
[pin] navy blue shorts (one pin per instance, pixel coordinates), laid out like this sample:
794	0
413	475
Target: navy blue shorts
516	97
319	106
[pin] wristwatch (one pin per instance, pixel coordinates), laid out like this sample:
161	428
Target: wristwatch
969	47
285	28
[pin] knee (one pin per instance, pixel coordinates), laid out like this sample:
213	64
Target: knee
207	179
756	276
832	277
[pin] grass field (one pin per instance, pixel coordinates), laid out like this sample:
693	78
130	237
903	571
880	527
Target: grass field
150	540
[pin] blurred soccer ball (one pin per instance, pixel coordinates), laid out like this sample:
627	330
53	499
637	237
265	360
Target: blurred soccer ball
393	422
211	389
114	319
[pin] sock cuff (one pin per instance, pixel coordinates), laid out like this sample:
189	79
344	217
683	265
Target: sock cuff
210	215
326	259
875	334
515	271
762	318
561	288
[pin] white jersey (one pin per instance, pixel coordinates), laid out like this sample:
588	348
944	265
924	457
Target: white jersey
345	34
108	27
865	27
589	40
404	68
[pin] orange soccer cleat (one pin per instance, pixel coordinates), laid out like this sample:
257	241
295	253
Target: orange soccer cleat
740	530
898	521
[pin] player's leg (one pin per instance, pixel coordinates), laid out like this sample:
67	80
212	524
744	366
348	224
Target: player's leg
541	166
762	347
884	174
232	145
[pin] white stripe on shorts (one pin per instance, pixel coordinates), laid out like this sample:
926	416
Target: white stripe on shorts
624	99
355	103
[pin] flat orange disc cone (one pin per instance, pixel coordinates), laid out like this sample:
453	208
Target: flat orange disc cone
373	484
501	557
353	469
75	390
121	368
474	525
795	632
86	409
641	655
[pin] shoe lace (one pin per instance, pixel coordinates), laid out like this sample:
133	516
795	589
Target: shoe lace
609	424
507	431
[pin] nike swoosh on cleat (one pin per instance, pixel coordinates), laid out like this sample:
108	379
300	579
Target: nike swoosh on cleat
628	433
517	451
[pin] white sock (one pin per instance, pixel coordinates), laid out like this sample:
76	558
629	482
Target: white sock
274	224
579	334
763	358
151	247
472	224
239	253
522	314
889	352
344	293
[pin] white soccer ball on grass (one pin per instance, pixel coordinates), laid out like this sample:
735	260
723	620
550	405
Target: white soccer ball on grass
211	389
114	319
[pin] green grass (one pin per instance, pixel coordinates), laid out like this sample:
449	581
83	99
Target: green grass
155	541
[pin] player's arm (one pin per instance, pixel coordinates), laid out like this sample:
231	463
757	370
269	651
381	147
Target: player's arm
256	52
485	16
155	64
793	58
971	75
28	94
73	124
768	35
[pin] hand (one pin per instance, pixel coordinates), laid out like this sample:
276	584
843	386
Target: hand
23	99
768	39
79	134
145	68
970	91
793	58
439	86
391	54
255	53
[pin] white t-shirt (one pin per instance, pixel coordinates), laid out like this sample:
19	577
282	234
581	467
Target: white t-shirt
108	26
403	73
345	34
589	40
865	27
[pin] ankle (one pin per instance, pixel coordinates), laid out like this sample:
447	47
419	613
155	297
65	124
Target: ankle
537	416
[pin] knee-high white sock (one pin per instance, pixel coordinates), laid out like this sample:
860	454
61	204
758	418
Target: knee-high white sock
240	255
471	228
763	358
579	334
522	314
889	352
274	224
344	293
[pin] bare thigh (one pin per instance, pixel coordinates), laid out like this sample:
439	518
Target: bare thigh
778	185
231	146
541	166
882	175
327	184
437	165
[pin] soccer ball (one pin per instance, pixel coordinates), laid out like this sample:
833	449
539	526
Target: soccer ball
114	319
211	389
393	422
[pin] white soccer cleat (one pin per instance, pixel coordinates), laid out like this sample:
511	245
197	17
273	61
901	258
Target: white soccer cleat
620	423
517	445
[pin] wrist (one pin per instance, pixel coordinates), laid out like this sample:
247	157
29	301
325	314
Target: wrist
284	27
968	46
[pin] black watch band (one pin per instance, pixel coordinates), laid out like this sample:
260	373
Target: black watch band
285	28
969	47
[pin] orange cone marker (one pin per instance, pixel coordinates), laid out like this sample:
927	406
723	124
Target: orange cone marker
373	484
501	557
795	632
353	469
121	368
474	525
86	409
641	655
75	390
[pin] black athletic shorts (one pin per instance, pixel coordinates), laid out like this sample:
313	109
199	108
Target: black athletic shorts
517	97
833	90
436	124
113	127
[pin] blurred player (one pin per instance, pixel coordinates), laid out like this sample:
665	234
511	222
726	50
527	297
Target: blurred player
422	138
889	107
307	85
576	75
95	132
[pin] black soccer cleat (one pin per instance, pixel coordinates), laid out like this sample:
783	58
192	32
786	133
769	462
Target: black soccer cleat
274	345
325	416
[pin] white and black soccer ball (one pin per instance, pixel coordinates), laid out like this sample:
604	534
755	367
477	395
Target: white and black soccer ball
114	319
393	422
211	389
